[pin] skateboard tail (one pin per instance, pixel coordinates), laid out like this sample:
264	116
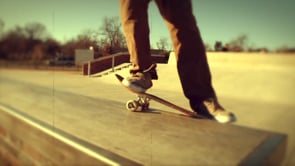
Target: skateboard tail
120	78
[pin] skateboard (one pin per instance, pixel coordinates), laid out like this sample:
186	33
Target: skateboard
142	102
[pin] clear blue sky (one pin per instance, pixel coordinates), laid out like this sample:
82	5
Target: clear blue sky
267	23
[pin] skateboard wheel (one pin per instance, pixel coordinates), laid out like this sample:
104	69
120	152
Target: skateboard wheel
145	106
132	105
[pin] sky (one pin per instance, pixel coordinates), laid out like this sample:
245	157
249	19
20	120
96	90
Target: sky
266	23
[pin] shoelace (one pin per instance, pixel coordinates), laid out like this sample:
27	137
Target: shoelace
213	105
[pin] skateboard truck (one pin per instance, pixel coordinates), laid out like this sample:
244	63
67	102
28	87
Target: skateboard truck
142	102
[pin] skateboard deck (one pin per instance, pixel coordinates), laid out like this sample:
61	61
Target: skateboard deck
142	102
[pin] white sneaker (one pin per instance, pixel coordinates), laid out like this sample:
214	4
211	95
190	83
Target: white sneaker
138	82
211	109
218	112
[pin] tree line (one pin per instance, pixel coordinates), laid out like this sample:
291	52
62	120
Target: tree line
32	42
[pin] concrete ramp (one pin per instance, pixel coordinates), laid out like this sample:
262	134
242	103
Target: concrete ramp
154	138
28	141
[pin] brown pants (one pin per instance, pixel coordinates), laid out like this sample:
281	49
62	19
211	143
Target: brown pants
189	49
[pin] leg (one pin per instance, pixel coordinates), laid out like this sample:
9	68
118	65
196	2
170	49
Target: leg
190	53
134	19
192	65
135	25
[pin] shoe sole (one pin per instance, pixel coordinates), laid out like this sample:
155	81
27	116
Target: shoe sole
223	119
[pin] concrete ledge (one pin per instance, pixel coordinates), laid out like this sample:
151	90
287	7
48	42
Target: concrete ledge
269	152
27	141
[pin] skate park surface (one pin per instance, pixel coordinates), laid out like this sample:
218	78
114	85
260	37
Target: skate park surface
259	89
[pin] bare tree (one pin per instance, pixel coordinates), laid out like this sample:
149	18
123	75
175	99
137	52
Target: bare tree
162	44
51	48
218	46
89	34
37	55
83	41
13	44
112	34
35	31
1	28
20	43
238	44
